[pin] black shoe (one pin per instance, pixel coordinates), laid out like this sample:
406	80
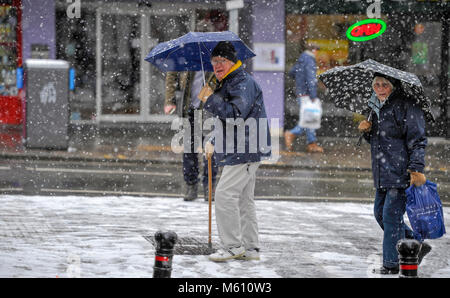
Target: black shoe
386	271
425	248
191	192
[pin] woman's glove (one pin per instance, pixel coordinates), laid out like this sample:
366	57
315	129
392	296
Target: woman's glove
417	178
365	126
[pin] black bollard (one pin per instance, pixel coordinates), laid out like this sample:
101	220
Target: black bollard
165	242
408	250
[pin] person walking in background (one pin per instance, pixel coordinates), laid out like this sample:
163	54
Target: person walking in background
304	71
397	140
190	84
237	96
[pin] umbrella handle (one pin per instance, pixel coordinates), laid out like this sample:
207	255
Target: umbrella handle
201	61
362	135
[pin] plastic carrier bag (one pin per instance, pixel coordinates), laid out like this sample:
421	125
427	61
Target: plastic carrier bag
310	112
424	209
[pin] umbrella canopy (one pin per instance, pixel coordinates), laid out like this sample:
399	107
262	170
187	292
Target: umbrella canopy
351	86
192	51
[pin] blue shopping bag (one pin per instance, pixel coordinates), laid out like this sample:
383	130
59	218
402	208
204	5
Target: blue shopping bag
424	209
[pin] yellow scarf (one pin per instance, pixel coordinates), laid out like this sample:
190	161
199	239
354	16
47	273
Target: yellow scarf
235	66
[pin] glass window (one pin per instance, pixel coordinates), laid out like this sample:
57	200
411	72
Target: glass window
75	43
329	33
411	42
8	50
164	28
120	55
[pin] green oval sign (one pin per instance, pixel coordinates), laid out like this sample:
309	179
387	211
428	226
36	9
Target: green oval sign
366	30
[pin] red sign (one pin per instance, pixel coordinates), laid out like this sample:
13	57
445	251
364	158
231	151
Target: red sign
366	30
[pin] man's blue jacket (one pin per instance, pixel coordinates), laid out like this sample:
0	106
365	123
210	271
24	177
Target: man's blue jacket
238	99
304	72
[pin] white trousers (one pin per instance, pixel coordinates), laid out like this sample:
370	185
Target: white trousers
235	206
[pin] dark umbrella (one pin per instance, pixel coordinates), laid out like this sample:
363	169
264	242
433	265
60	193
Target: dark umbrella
351	86
192	51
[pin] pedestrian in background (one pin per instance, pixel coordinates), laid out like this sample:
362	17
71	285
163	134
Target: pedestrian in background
237	96
397	140
190	84
304	71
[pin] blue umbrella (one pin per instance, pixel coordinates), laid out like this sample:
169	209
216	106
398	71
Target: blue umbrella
192	51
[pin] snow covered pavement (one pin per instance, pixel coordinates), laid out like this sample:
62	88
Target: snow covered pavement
76	236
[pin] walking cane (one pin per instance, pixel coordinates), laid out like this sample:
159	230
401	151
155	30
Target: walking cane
209	198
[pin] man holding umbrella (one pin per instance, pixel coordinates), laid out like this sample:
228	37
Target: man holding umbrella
397	138
237	96
237	99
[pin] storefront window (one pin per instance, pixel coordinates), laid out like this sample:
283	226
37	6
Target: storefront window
164	28
446	104
127	88
425	59
10	62
120	64
329	33
8	50
75	43
412	42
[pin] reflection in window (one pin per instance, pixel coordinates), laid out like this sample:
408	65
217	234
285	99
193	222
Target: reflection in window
8	50
75	43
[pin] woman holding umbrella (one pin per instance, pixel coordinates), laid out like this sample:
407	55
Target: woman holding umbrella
396	134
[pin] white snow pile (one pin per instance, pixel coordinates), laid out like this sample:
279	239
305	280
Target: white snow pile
75	236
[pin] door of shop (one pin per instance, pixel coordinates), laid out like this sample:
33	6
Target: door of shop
129	89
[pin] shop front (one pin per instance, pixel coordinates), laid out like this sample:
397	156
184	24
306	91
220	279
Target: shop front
415	40
107	45
10	61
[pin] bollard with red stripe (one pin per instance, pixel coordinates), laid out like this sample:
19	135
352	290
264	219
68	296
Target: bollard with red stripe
408	250
165	243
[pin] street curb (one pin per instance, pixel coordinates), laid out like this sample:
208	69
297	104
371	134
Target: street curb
159	161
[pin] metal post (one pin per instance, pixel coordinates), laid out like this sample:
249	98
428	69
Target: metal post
234	21
408	250
233	7
444	76
165	242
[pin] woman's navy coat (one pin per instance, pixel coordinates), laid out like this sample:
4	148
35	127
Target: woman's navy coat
238	96
397	140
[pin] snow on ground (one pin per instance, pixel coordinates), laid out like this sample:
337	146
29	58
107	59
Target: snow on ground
75	236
